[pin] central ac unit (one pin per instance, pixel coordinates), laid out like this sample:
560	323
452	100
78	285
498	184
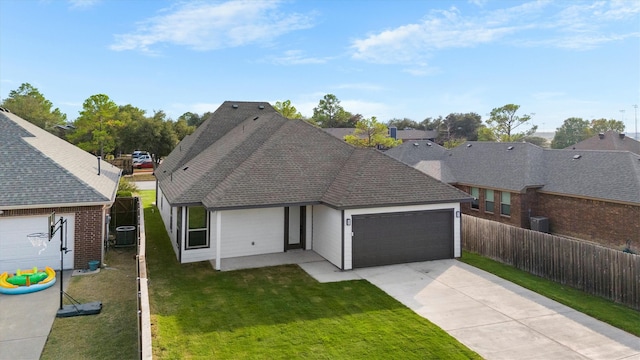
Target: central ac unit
540	223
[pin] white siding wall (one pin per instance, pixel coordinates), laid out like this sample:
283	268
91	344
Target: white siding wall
165	212
251	232
348	264
327	230
17	252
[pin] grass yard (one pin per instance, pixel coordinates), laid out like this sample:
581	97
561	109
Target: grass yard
112	334
277	313
605	310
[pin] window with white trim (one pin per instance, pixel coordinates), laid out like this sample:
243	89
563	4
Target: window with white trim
488	201
197	218
505	204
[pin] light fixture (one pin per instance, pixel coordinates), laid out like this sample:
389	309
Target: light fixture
348	222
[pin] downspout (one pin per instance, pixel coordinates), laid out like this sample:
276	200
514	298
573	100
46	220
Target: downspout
218	240
343	249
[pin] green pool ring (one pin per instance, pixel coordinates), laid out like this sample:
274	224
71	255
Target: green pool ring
21	280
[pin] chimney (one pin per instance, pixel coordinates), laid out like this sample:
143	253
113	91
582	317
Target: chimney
601	136
621	135
393	132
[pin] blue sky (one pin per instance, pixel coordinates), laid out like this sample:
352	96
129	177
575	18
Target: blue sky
389	59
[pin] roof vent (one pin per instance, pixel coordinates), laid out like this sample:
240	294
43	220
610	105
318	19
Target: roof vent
468	145
601	136
576	157
428	144
235	106
416	144
622	136
256	118
261	107
510	148
185	168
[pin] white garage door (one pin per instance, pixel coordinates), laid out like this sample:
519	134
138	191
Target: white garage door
17	252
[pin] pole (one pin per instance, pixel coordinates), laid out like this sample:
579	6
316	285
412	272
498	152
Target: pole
61	259
635	107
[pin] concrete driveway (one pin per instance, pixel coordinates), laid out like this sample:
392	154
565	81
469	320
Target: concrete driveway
25	321
496	318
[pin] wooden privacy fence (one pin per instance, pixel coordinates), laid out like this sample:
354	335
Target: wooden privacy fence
592	268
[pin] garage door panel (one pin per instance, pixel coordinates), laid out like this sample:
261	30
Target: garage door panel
392	238
17	252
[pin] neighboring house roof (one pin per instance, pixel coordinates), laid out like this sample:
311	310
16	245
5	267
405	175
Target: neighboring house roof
608	175
38	169
404	135
246	155
609	140
611	175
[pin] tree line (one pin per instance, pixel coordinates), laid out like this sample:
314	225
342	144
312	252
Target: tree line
105	128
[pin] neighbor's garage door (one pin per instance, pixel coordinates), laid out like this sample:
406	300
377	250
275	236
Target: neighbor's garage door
17	251
394	238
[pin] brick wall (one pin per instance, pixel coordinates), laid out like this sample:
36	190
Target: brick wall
518	217
88	230
606	223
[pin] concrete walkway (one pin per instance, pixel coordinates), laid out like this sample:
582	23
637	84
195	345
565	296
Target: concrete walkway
26	320
496	318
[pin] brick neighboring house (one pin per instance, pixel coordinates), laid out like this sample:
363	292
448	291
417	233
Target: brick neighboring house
41	173
588	194
609	140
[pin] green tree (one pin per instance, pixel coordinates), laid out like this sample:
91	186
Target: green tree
486	134
405	124
603	125
127	139
462	126
96	127
572	131
536	140
156	135
503	121
430	123
191	119
28	103
371	133
287	110
329	114
182	129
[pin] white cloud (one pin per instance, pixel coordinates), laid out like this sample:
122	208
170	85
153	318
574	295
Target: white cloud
206	26
567	25
296	57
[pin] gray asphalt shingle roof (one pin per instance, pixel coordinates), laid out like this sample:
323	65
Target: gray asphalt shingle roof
607	175
609	140
260	159
38	169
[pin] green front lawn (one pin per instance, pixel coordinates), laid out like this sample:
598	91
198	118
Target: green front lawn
277	313
605	310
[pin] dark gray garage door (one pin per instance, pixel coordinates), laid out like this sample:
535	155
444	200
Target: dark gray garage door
395	238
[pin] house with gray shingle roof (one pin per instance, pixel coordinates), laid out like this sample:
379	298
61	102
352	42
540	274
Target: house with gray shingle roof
249	181
609	140
588	194
40	174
